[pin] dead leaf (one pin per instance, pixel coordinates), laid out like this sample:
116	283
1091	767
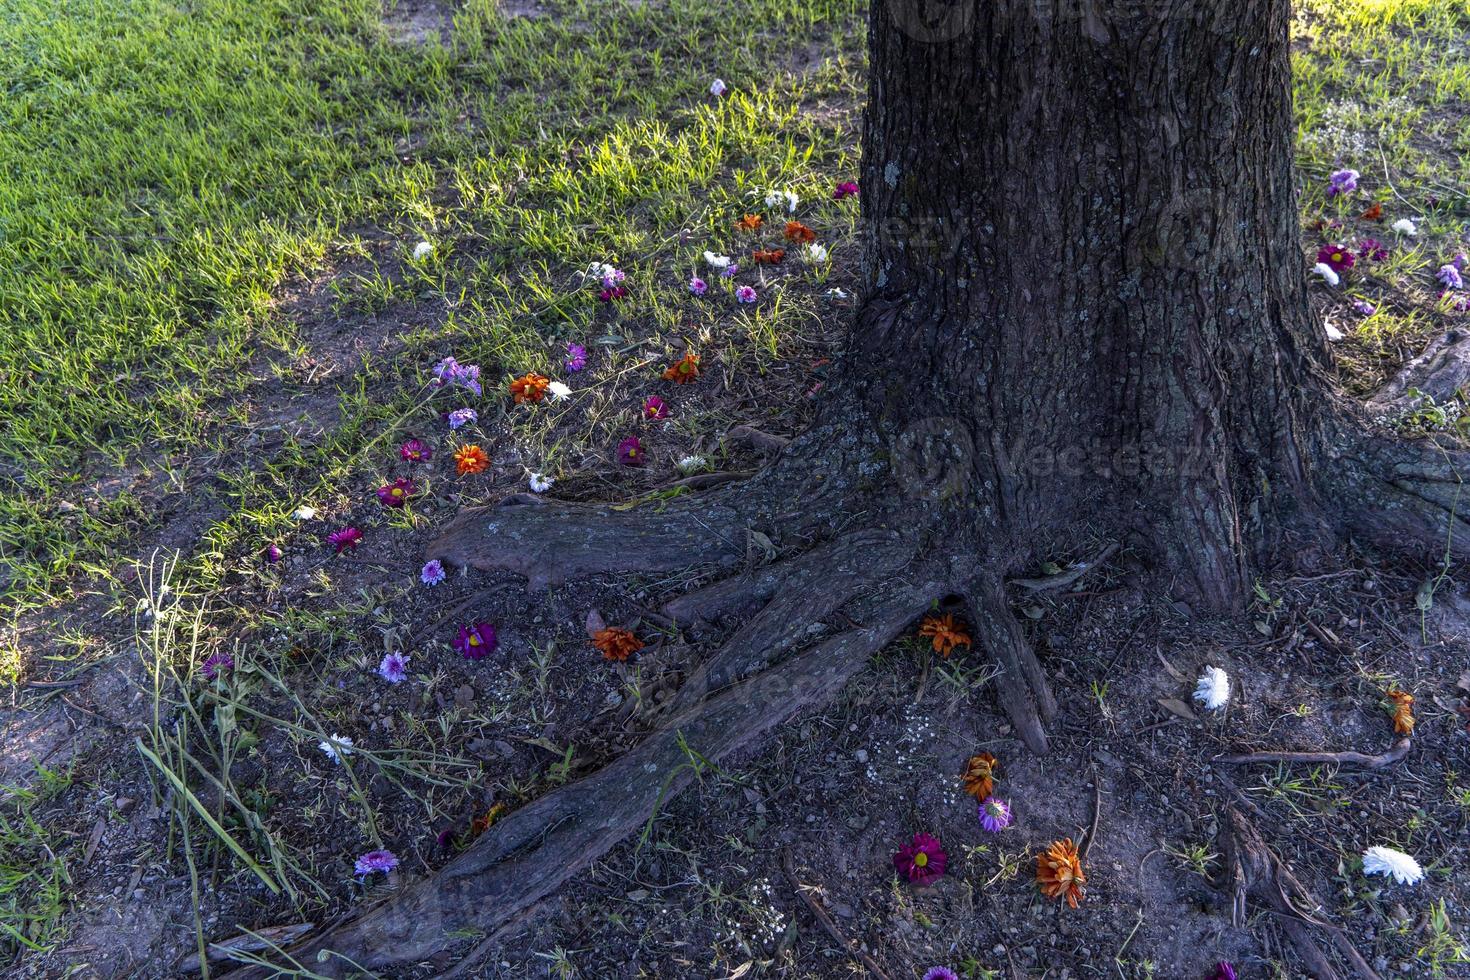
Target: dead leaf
1177	707
1173	672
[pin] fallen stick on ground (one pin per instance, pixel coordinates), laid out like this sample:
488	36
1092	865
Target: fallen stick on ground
826	920
1399	750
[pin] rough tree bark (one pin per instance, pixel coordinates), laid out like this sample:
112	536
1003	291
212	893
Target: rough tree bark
1085	317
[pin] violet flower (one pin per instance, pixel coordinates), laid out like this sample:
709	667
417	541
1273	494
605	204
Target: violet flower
698	286
1450	277
476	642
217	663
995	815
375	861
576	357
463	416
432	572
1342	182
394	668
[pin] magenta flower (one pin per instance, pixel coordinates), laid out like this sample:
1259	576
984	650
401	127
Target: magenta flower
273	553
1342	182
374	861
1339	258
995	815
1223	971
922	861
630	452
576	357
397	493
1372	250
613	293
654	408
346	538
846	188
745	294
698	286
394	668
940	973
432	573
414	451
475	642
217	663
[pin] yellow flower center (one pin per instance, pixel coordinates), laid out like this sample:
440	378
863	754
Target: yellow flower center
397	491
474	639
921	859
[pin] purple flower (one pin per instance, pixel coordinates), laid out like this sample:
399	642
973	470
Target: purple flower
630	452
1342	182
1224	971
1364	307
475	642
1450	277
451	372
576	357
1336	257
995	815
698	286
654	408
273	553
1459	261
217	663
1455	301
730	271
846	188
397	493
373	861
394	668
745	294
940	973
432	572
1373	250
445	372
414	451
462	416
346	538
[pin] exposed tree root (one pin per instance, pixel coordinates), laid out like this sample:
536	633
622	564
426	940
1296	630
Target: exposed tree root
1024	692
1399	750
532	852
1253	869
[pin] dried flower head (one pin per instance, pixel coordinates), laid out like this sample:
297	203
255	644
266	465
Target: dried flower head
1374	213
768	256
684	370
1059	872
750	223
1402	704
1379	860
616	643
798	232
979	776
945	632
470	459
529	388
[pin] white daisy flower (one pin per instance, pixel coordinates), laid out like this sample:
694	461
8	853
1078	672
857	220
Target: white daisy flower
336	748
559	391
780	199
1405	227
1325	271
716	261
1213	688
304	513
691	464
1378	860
717	87
541	483
814	254
421	251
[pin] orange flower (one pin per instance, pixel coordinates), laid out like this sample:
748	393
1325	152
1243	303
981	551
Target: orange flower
471	459
1374	213
684	370
768	256
978	776
481	824
751	222
529	388
616	643
946	633
798	232
1059	872
1403	712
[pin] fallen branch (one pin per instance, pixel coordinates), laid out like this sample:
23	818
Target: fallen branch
804	893
760	441
1050	583
1399	750
1096	816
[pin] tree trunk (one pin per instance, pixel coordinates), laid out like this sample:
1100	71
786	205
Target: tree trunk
1084	271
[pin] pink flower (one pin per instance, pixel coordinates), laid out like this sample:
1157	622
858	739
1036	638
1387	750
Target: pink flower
346	538
922	861
396	494
576	357
630	452
846	188
1339	258
698	286
654	408
745	294
414	451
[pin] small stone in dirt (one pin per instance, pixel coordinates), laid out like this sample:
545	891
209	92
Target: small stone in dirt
861	755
